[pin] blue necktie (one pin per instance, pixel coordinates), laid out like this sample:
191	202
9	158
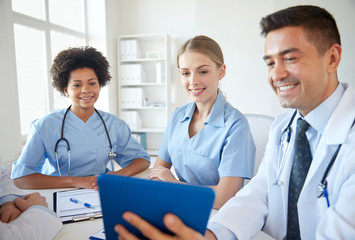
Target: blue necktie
300	167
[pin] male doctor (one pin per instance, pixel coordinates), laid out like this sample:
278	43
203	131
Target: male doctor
285	198
27	218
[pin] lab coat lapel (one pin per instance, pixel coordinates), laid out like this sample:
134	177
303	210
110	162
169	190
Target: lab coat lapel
285	177
285	173
334	134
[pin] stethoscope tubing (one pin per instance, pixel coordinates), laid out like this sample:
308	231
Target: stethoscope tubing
322	186
112	154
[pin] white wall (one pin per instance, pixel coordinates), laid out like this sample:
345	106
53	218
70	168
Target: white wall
234	24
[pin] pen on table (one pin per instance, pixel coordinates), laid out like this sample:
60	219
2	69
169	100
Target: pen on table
88	205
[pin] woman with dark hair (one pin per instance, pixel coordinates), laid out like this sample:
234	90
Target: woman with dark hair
76	144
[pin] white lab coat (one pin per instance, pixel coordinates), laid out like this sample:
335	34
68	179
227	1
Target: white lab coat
34	223
260	205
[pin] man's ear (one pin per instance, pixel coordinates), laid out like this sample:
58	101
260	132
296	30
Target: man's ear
334	53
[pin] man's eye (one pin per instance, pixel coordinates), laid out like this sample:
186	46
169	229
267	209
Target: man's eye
270	64
290	59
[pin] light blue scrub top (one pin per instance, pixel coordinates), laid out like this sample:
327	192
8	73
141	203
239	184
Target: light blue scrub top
89	145
223	148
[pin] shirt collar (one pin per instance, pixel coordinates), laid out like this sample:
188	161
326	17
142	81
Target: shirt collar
318	117
216	116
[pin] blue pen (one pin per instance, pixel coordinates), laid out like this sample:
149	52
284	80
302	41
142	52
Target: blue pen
88	205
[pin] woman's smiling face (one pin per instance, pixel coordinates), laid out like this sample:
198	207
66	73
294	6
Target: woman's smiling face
200	76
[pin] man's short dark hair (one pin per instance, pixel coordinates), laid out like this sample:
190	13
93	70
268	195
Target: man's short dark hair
319	25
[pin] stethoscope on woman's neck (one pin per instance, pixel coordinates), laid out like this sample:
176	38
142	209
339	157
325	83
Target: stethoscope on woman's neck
112	154
322	186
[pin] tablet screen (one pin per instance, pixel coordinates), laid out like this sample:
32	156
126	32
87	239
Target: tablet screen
152	200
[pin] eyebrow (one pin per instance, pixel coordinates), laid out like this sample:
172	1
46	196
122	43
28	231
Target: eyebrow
205	65
78	80
284	52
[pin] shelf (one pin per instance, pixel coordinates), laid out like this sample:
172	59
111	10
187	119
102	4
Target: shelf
143	108
152	152
143	60
142	84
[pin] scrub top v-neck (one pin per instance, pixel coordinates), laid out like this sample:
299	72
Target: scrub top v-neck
88	144
223	147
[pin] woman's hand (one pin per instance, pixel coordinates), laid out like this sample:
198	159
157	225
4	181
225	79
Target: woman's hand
163	174
85	182
172	222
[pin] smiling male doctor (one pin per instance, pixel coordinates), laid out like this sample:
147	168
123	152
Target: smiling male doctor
302	52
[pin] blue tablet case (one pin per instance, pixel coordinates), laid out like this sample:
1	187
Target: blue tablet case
152	200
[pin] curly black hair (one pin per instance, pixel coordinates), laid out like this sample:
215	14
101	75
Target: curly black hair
73	58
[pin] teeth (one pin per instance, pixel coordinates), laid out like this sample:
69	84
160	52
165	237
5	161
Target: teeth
86	98
196	90
284	88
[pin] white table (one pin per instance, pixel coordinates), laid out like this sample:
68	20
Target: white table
76	230
84	229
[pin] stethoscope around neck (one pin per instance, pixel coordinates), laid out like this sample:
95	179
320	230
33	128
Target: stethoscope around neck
112	154
322	186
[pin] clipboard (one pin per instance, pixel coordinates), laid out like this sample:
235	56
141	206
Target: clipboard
152	200
69	211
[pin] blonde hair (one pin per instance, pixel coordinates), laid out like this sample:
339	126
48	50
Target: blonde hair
204	45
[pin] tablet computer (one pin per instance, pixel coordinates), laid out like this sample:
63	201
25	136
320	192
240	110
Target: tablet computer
152	200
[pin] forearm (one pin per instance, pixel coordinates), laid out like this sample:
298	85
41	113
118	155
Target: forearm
209	235
137	165
160	162
225	189
41	181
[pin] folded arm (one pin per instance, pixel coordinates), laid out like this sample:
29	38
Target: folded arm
42	181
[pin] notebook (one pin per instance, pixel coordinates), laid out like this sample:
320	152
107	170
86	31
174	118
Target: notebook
152	200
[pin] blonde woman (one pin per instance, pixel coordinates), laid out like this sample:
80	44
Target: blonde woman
207	141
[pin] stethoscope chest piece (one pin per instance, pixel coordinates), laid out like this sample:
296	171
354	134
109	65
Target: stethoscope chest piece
321	188
112	154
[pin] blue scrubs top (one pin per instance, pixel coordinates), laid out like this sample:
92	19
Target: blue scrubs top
89	145
223	148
